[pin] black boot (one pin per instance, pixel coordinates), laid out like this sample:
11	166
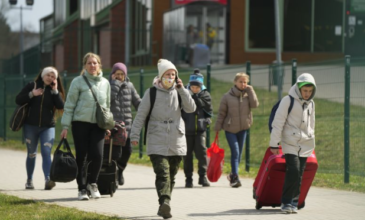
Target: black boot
189	182
203	181
120	177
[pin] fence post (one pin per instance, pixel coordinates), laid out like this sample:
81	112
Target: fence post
347	120
294	71
207	140
141	94
24	83
4	92
248	72
65	80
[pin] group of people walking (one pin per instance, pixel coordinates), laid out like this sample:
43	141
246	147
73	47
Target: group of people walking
176	118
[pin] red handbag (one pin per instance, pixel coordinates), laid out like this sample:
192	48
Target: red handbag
215	156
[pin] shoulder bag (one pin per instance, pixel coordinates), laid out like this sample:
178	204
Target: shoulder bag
104	118
19	115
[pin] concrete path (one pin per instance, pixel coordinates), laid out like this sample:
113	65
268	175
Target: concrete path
137	199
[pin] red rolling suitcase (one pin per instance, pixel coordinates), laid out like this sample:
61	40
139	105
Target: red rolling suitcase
268	185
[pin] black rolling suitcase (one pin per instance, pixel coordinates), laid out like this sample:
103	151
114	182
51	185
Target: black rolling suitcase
107	181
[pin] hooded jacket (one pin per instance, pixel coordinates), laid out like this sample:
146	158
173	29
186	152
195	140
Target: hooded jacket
80	104
166	128
295	130
41	108
234	114
198	121
123	95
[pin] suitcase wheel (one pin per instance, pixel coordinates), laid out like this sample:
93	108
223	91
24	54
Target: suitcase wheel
258	206
301	206
111	189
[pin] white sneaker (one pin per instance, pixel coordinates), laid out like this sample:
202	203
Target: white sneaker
83	195
93	189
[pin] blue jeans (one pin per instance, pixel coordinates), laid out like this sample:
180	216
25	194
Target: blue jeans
236	142
46	135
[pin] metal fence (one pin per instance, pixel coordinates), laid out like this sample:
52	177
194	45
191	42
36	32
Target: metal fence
339	100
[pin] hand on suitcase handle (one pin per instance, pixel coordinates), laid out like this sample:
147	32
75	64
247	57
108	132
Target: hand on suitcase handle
275	151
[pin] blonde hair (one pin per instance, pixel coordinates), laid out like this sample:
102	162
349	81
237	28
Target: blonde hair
239	75
86	57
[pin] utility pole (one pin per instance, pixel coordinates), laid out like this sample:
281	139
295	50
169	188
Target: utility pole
21	41
279	62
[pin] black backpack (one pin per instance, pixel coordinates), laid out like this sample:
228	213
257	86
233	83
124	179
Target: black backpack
152	101
275	107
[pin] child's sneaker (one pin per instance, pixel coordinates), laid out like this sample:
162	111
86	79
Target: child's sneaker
287	208
83	195
294	209
203	181
49	184
93	189
189	182
29	184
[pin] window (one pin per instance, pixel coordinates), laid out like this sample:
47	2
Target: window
261	24
73	6
327	15
297	25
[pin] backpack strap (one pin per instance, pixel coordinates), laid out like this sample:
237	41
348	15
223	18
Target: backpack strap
152	101
291	104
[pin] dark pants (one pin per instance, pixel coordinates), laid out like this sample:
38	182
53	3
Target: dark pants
293	178
196	145
126	154
89	143
165	168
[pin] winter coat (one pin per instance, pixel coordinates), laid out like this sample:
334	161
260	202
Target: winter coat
80	104
296	130
123	95
166	128
198	121
42	107
234	113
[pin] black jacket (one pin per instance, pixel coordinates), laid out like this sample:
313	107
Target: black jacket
41	108
198	121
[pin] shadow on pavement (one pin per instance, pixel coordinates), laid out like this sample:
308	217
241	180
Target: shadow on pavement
241	212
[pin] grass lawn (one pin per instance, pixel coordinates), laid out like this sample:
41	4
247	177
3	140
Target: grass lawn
14	208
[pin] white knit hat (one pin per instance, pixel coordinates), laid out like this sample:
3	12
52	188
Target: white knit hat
164	65
49	70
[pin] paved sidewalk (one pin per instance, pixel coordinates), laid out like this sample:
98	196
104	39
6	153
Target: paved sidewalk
137	199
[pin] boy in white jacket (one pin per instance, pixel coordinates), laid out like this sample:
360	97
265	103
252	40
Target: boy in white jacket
295	132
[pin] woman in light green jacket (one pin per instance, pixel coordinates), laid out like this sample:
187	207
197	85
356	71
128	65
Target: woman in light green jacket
79	111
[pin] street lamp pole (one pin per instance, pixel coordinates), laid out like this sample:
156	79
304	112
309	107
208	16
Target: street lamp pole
21	39
21	42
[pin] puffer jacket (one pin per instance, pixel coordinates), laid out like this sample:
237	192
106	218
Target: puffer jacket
166	128
198	121
123	95
296	130
41	108
234	113
80	104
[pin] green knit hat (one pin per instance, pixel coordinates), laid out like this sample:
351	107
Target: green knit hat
301	84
